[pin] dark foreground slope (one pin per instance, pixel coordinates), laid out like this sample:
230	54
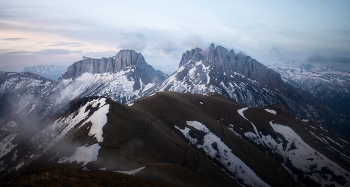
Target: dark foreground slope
58	176
185	140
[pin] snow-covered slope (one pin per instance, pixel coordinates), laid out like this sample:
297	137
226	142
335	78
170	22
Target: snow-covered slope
239	77
19	89
18	151
330	85
308	164
52	72
121	86
121	78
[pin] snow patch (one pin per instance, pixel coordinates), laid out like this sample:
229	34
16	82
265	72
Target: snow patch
98	120
305	158
6	144
10	126
131	172
271	111
83	155
33	106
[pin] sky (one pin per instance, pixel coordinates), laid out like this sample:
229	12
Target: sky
272	32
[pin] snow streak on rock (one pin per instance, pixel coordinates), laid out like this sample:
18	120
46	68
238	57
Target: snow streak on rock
253	137
271	111
217	149
131	172
308	160
6	144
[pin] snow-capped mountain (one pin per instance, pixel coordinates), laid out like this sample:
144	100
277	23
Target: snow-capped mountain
330	85
52	72
208	137
19	89
121	78
250	136
239	77
126	78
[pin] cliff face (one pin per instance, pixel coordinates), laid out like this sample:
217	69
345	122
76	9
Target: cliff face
123	59
240	63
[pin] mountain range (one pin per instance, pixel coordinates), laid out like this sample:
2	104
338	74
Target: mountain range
52	72
222	118
329	85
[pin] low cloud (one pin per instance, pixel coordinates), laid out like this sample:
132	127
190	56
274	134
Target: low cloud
17	53
133	41
67	44
317	58
192	41
44	52
166	46
13	39
275	52
101	54
341	63
57	52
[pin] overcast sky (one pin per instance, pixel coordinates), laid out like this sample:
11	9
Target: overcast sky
61	32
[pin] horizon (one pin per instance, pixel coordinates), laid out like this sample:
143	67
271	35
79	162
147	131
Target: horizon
62	32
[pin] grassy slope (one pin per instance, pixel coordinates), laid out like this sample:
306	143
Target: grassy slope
177	108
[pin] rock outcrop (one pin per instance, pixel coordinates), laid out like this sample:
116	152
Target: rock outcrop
240	63
123	59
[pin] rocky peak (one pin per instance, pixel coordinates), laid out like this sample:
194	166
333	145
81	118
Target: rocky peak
240	63
128	58
123	59
194	55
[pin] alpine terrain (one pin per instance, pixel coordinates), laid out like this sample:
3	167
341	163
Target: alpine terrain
243	79
180	139
52	72
221	119
330	85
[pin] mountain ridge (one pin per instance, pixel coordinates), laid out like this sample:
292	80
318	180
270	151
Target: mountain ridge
239	63
122	60
210	135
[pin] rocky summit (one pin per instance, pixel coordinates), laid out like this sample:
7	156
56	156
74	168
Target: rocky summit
123	60
239	77
227	60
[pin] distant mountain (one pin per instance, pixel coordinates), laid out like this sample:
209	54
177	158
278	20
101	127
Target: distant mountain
17	90
121	78
52	72
181	139
329	85
239	77
238	123
127	77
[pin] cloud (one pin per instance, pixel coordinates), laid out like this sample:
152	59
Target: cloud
194	40
133	41
17	53
317	58
67	44
57	52
275	52
13	39
341	63
43	52
166	46
100	54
